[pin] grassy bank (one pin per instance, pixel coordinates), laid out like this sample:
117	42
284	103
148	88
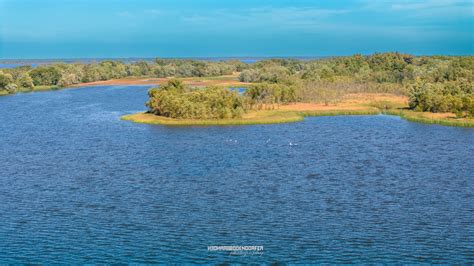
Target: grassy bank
27	90
368	111
445	119
354	104
281	116
251	118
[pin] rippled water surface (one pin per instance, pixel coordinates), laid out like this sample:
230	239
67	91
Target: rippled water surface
79	185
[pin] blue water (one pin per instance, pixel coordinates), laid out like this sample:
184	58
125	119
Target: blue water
239	90
78	185
13	65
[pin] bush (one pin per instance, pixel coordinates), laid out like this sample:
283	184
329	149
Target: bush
67	80
174	100
25	81
5	79
11	88
45	75
266	93
454	97
249	75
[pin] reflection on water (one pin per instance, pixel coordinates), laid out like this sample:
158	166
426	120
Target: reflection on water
79	185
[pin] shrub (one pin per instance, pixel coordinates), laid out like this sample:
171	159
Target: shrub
249	75
266	93
25	81
453	97
5	79
11	88
45	75
174	100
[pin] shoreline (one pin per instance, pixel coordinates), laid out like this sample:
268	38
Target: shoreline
225	81
280	117
352	104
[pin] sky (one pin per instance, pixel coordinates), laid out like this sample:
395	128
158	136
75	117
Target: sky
226	28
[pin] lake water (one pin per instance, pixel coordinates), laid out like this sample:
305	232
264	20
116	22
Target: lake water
79	185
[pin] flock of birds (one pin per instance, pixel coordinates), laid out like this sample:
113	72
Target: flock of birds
290	143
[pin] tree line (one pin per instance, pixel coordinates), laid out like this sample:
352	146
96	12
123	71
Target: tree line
26	78
445	80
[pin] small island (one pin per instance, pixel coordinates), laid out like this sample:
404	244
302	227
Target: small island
434	90
175	104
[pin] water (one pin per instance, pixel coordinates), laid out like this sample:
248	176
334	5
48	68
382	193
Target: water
79	185
13	65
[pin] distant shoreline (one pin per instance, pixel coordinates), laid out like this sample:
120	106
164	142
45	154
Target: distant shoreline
227	81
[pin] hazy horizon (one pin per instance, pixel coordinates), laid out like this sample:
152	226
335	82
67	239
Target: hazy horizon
214	57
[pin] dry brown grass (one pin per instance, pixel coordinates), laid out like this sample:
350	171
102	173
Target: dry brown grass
228	80
250	118
354	102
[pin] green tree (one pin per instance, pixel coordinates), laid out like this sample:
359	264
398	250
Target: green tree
45	75
5	79
25	81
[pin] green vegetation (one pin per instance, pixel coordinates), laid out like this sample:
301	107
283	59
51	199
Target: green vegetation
430	118
434	84
322	80
437	84
59	75
264	94
449	96
174	100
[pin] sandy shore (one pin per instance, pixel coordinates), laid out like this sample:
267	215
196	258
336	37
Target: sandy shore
230	81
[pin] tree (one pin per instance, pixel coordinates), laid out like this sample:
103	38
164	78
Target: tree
45	75
67	80
176	101
25	81
5	79
249	75
11	88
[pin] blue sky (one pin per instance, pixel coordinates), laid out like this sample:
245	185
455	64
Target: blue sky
204	28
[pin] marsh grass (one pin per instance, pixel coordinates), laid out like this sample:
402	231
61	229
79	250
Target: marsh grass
251	118
285	116
46	88
368	111
38	88
28	90
430	118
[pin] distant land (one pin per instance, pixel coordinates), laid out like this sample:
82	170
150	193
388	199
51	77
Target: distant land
9	63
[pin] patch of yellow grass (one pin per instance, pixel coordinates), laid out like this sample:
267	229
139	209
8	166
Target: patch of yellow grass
226	80
445	119
251	118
